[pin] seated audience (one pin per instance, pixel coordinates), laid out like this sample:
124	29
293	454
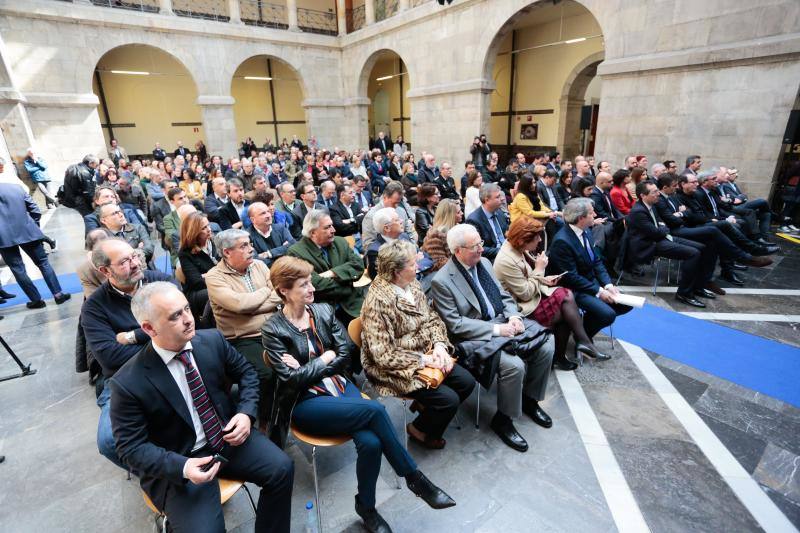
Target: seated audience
242	298
392	197
604	206
546	186
428	198
327	195
638	175
336	266
112	333
620	194
270	239
564	185
167	434
309	351
286	204
161	208
740	204
113	220
90	277
172	222
218	198
361	192
445	183
573	254
389	228
472	199
232	214
308	202
191	185
448	214
197	256
527	202
522	274
491	337
105	194
347	213
400	333
490	220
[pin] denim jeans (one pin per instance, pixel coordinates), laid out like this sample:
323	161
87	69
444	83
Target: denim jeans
105	438
34	250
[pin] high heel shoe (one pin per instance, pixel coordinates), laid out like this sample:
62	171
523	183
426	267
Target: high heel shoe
591	352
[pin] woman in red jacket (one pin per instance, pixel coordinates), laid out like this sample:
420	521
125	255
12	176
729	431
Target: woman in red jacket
620	195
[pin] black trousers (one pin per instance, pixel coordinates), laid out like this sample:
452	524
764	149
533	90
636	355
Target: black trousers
440	404
735	234
693	271
191	508
726	249
252	350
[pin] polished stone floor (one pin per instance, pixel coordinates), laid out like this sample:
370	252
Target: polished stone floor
53	479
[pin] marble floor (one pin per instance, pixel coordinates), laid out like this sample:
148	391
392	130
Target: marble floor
639	442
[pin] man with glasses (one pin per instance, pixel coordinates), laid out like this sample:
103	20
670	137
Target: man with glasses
286	204
112	218
112	333
491	337
242	298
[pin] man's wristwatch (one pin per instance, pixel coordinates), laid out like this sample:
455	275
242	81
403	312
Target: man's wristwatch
130	337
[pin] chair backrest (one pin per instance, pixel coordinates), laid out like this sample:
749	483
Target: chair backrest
351	241
179	275
354	330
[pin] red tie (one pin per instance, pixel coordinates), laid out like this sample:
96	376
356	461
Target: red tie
205	409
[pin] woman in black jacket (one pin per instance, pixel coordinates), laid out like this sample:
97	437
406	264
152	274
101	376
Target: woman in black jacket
428	198
309	352
197	256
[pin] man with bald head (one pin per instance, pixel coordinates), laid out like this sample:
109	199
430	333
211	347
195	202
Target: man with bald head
583	170
113	335
270	239
603	206
216	199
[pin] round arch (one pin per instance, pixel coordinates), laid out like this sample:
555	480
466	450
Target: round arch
385	73
146	95
572	99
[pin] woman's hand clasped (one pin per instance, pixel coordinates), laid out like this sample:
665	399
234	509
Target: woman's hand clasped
290	361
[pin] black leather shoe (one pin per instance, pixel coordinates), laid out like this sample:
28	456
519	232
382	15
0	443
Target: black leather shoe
732	278
435	497
373	521
537	414
505	429
562	363
705	293
6	295
764	242
2	301
38	304
588	351
63	297
689	300
738	266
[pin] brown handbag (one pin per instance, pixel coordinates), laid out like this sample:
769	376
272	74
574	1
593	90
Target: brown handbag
431	377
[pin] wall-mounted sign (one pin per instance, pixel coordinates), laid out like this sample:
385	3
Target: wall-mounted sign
529	132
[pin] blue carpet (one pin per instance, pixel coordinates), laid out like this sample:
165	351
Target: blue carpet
69	283
763	365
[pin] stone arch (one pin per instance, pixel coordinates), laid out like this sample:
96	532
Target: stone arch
274	53
572	99
187	63
362	89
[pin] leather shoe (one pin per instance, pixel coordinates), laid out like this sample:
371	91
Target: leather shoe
38	304
430	493
759	250
738	266
764	242
2	301
6	295
373	521
716	289
504	427
732	278
63	297
562	363
759	261
689	300
590	352
773	249
537	414
705	293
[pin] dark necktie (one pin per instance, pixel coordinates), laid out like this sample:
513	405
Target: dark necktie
713	204
326	255
205	409
609	204
674	209
588	246
498	232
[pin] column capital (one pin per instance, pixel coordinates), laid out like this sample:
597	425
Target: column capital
215	100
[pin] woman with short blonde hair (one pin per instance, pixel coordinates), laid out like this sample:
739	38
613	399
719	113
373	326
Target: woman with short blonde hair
448	214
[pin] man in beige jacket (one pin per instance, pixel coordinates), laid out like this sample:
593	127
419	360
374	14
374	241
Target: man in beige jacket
242	298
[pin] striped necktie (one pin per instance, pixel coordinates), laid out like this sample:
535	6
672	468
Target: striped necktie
205	409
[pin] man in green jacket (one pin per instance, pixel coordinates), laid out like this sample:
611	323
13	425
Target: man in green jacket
336	266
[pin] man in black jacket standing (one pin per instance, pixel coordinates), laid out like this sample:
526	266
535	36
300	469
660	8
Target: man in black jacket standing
173	418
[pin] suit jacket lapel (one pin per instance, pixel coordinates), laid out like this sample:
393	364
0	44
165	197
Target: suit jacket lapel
463	287
577	241
162	380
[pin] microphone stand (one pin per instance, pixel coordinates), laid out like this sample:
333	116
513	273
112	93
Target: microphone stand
26	369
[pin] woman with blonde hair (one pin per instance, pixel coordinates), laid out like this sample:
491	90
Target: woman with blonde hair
448	214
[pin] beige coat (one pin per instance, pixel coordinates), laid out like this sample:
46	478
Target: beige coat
395	335
239	312
519	279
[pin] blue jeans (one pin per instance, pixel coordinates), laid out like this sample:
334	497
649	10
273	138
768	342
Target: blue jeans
105	438
369	425
34	250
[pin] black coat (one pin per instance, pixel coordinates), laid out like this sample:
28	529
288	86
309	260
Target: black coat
274	244
666	210
643	234
423	222
447	188
603	206
279	336
567	254
694	214
194	266
152	425
708	209
339	214
228	216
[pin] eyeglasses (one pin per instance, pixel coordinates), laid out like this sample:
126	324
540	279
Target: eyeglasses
474	247
128	261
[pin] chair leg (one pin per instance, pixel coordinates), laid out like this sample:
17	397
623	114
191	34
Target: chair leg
316	487
458	421
478	409
405	424
250	497
655	283
611	334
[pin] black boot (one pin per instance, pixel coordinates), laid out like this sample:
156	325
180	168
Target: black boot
373	521
423	488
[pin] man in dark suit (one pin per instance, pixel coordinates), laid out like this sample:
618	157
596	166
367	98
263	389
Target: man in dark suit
573	254
603	206
158	153
446	184
171	415
19	229
346	213
427	173
327	196
215	200
270	240
231	214
714	208
757	211
180	150
362	193
547	191
693	164
383	143
555	162
308	201
490	221
649	237
481	319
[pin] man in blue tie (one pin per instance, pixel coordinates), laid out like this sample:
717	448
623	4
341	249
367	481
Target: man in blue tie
573	254
490	220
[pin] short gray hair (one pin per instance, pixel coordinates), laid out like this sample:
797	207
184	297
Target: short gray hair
703	176
657	166
457	236
141	306
225	240
486	190
89	159
577	208
312	221
382	217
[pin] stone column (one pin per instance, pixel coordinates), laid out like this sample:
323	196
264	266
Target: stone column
291	13
326	119
369	12
165	7
219	124
568	141
16	132
234	12
341	16
402	5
